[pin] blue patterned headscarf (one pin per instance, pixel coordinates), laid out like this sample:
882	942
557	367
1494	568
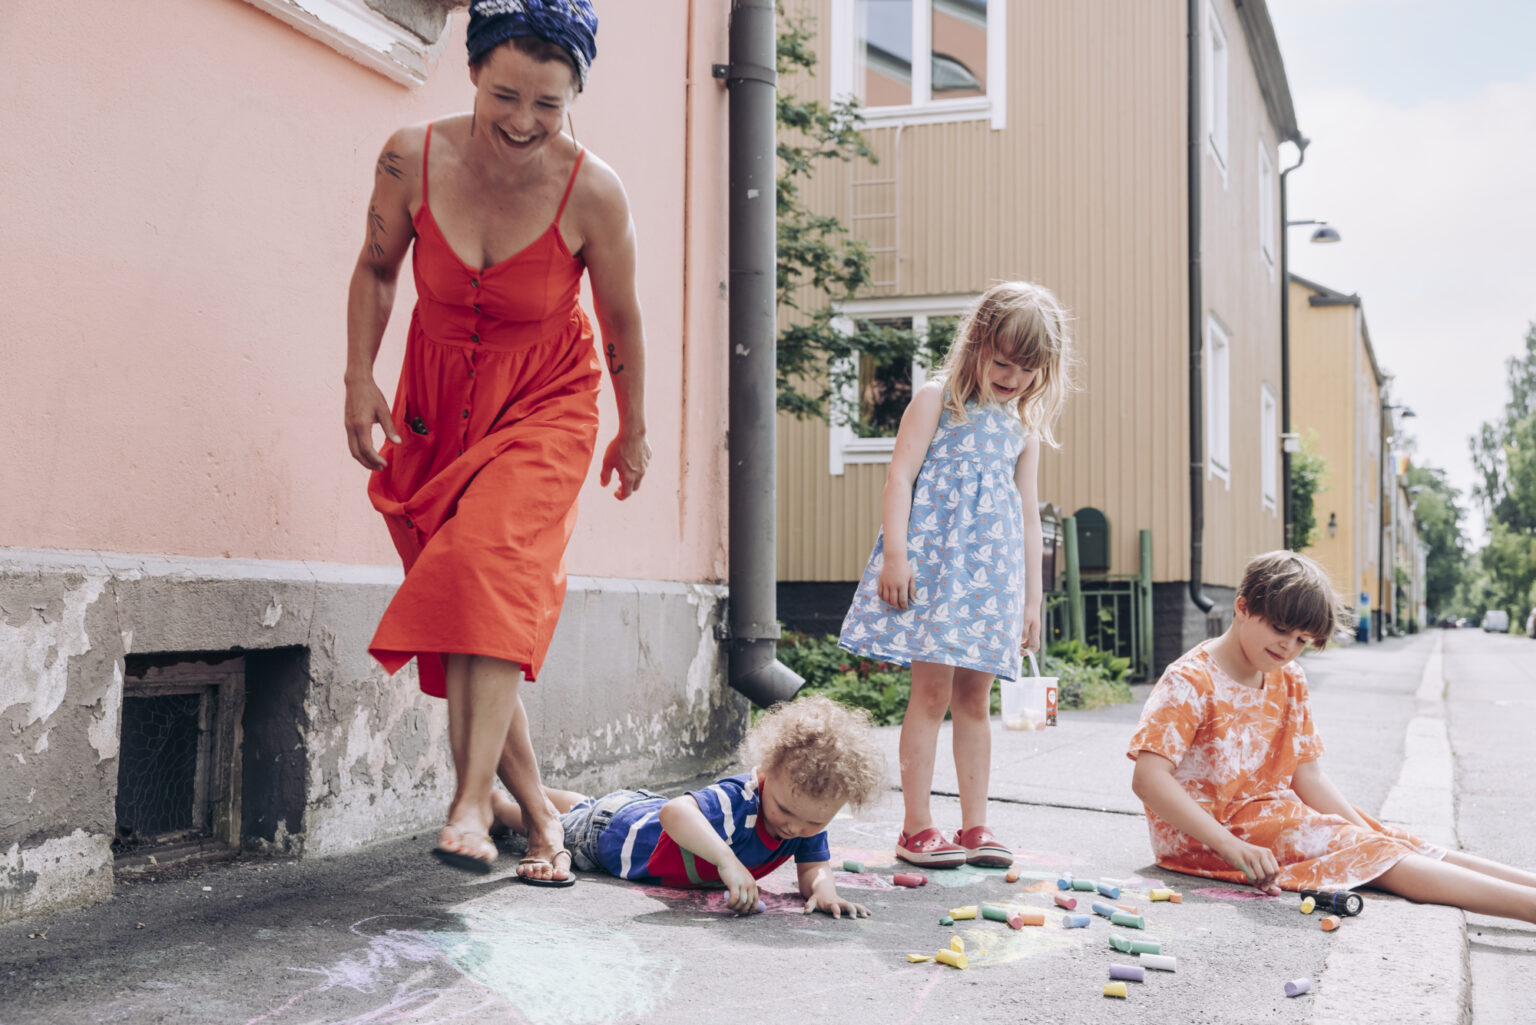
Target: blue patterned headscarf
569	24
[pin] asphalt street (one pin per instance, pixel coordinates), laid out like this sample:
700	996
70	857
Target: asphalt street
389	935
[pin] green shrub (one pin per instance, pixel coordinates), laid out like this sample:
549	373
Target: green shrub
1087	677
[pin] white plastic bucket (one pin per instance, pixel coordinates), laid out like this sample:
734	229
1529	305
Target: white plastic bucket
1029	703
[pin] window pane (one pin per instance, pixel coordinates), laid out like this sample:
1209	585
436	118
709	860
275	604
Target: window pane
884	72
941	333
885	383
959	48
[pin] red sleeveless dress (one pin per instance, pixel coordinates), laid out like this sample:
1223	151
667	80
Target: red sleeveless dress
497	416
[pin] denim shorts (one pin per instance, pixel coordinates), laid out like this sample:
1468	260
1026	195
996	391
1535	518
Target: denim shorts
588	819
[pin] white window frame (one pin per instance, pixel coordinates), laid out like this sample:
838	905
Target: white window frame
1218	53
842	37
844	447
356	30
1218	400
1267	215
1269	449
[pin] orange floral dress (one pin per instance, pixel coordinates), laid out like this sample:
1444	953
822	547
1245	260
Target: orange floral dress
1235	750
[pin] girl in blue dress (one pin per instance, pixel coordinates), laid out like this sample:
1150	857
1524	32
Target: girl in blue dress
959	601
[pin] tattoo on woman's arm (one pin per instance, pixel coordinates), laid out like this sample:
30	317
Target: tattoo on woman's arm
389	163
376	233
614	366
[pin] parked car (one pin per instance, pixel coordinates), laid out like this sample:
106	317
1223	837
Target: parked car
1448	623
1496	621
1530	624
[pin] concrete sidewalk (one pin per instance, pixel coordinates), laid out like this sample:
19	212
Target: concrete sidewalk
389	935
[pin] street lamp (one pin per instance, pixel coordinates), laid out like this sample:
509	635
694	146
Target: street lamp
1381	527
1324	233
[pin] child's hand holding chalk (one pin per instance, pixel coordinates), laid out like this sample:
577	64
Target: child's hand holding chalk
1257	863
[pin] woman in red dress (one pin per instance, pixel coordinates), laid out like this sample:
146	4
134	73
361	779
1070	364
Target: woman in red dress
495	418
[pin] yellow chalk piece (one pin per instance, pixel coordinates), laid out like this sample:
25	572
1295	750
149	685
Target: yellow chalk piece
1308	905
968	911
957	944
1330	923
1115	989
918	958
1162	893
951	958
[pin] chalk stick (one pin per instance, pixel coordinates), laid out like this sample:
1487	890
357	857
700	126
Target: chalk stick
909	879
1027	918
1129	921
1086	885
1109	890
1064	882
993	914
1162	893
1130	909
1012	876
949	957
1015	921
1100	908
946	920
1075	921
918	958
761	907
1177	898
969	911
1115	989
1146	947
1120	943
1162	962
1296	987
1127	973
1070	903
1308	905
853	866
1329	923
957	944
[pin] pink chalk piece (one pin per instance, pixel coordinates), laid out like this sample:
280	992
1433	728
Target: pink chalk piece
1062	901
1015	921
1296	987
909	879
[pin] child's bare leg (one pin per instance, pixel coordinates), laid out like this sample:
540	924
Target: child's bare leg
971	708
1491	868
509	814
931	685
1435	882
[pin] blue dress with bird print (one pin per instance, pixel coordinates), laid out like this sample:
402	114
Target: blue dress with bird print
965	543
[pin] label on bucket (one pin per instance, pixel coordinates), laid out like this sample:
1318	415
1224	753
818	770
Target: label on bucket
1050	704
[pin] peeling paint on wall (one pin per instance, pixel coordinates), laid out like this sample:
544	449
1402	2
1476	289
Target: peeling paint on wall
34	656
63	872
105	731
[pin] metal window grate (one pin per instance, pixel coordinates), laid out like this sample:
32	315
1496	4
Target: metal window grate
158	769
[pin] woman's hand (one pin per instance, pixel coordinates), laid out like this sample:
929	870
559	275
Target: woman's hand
366	406
629	454
1257	863
896	586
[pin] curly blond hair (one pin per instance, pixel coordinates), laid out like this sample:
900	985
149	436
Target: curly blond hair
822	749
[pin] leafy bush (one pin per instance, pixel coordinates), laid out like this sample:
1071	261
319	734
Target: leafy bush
1087	676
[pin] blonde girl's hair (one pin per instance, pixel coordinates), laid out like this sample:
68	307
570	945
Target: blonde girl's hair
1025	324
1292	592
821	748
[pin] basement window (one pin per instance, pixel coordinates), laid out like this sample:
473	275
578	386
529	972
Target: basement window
400	39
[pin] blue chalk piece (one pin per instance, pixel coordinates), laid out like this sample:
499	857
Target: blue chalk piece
761	907
1065	881
1076	921
1112	892
1107	910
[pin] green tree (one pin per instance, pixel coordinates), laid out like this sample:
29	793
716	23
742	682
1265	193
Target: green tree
1504	455
1489	446
1309	475
818	359
1438	511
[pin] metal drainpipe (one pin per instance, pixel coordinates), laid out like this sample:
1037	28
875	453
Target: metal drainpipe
753	619
1196	322
1287	522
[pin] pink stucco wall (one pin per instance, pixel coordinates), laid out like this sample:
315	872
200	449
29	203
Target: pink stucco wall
185	188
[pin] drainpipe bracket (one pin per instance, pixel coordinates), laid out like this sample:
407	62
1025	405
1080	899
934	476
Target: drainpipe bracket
748	632
733	73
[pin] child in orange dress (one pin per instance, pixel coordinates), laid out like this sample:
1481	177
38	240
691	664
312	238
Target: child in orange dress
1227	766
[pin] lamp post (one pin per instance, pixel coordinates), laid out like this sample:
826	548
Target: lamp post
1387	432
1288	440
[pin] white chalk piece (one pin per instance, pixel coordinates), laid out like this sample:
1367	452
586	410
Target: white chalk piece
1296	987
1162	962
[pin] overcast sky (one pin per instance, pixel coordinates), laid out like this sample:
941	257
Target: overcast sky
1422	116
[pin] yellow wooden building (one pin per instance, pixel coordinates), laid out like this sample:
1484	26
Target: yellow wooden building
1052	141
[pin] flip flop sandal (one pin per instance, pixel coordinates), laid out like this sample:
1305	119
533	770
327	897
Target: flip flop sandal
570	875
466	862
